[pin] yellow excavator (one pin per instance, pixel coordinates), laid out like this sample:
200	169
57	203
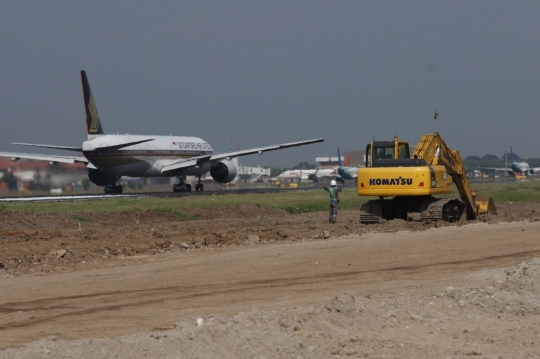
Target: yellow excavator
411	182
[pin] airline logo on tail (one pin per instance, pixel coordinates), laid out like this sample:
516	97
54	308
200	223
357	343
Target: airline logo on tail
346	172
93	123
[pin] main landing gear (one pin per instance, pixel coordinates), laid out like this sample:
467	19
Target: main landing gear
113	189
199	186
181	186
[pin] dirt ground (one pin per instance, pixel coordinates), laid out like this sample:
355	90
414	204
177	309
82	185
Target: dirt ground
151	284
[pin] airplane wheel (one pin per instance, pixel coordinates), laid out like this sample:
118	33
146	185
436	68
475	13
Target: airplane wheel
178	188
201	187
188	187
197	187
112	189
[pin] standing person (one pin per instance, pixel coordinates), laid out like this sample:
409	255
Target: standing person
334	200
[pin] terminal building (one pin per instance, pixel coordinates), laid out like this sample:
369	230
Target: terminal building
348	158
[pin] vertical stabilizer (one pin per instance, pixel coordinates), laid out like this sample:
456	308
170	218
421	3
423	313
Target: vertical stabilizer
347	160
93	123
339	158
512	154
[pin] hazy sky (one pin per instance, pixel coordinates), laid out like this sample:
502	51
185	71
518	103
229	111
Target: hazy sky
266	72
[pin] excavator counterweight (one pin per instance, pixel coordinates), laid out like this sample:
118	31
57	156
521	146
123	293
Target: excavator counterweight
411	182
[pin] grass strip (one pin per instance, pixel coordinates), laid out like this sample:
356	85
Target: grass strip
293	202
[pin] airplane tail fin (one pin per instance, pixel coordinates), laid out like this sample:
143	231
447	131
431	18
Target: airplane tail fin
339	158
93	123
512	154
347	160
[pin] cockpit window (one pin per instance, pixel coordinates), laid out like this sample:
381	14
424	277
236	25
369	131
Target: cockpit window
403	150
383	153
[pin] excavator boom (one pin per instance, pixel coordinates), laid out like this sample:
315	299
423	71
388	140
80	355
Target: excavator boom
434	150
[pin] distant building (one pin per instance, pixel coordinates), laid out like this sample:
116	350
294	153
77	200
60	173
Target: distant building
328	162
357	159
27	171
251	174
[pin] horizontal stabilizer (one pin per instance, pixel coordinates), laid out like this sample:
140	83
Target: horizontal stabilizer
66	148
53	159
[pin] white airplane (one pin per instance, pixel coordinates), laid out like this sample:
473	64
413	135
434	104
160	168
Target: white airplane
109	157
298	175
516	168
304	175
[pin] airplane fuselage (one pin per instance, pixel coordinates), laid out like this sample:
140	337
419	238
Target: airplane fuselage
347	172
521	167
144	159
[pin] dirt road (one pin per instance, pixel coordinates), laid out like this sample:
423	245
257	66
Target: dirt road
150	293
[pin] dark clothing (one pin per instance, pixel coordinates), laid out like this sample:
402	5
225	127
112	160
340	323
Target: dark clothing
332	218
334	199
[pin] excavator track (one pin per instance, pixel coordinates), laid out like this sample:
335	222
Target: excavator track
371	211
443	209
432	209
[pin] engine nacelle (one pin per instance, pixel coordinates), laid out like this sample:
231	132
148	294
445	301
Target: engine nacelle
223	172
101	179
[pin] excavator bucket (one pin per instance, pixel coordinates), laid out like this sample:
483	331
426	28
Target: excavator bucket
485	205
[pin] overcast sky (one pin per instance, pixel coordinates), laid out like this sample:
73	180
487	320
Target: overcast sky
256	73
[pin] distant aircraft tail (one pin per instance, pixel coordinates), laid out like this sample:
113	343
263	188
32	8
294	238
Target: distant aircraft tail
512	154
339	158
93	123
347	160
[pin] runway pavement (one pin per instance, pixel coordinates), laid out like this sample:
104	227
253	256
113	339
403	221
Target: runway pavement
79	197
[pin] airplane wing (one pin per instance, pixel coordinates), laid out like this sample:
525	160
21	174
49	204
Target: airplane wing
103	147
66	148
194	161
53	159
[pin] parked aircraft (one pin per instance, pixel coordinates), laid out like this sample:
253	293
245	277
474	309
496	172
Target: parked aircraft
109	157
346	173
516	168
296	175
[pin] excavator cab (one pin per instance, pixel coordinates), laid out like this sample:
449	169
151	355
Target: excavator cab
386	150
390	154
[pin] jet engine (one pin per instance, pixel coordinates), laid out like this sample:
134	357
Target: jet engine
223	172
101	179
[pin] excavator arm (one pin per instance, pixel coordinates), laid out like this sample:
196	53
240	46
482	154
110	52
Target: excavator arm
434	151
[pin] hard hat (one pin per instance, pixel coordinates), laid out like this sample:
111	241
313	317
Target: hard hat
332	183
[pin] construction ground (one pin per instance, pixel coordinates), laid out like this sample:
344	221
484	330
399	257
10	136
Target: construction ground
254	282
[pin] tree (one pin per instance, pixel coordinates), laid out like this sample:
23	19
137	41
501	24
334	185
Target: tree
490	158
10	180
85	184
533	162
303	166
